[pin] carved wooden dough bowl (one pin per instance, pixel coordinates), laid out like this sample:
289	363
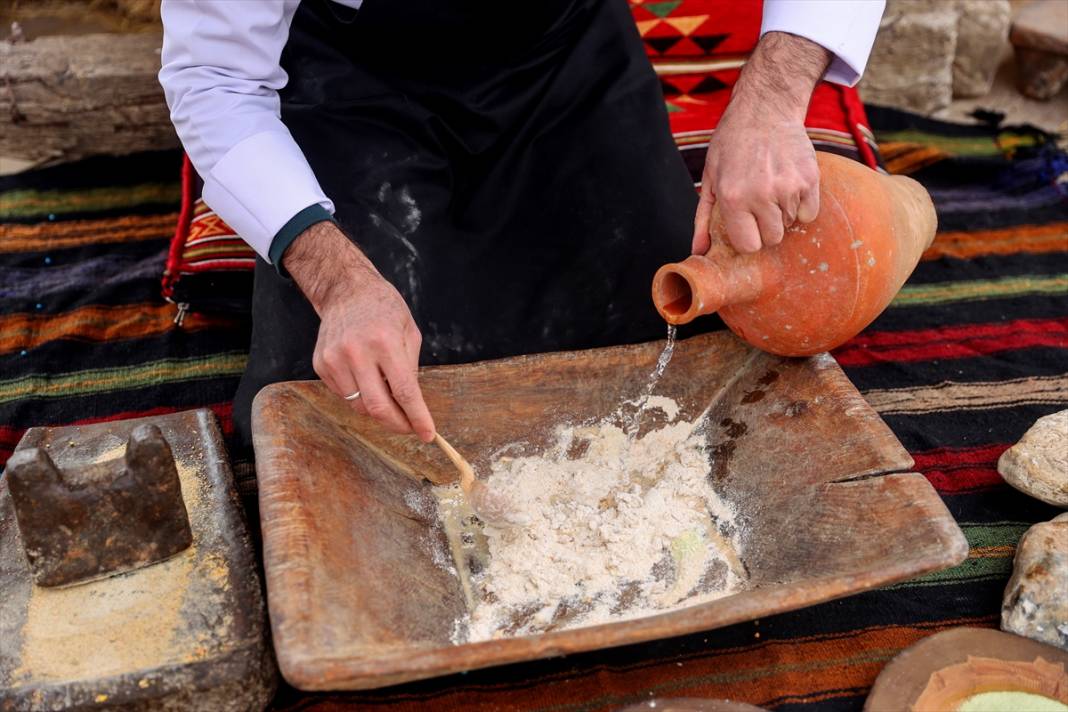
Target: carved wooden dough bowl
356	600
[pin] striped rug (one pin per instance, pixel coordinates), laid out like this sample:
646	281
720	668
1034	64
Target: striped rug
973	350
84	334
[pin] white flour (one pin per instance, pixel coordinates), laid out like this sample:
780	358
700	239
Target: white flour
621	527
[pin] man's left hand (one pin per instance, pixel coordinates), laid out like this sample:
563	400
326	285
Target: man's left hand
761	167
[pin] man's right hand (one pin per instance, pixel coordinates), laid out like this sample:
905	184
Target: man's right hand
368	341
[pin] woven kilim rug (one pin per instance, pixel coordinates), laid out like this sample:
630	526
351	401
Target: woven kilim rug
973	350
84	334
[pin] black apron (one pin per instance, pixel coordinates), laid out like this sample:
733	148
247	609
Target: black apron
507	166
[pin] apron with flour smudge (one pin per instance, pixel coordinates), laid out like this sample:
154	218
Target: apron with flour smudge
508	166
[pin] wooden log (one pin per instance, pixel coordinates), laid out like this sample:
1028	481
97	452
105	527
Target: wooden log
139	10
63	97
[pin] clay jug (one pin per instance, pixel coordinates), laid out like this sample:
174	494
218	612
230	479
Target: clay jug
825	281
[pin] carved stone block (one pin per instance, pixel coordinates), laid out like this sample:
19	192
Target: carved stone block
103	518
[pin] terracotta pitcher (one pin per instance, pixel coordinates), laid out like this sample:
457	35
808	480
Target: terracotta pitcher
825	281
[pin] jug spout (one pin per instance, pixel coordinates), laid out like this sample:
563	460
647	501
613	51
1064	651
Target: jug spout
703	284
826	281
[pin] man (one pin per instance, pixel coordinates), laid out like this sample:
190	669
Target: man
448	180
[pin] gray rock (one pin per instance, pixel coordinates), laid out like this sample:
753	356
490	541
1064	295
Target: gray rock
1036	599
982	38
911	64
1038	464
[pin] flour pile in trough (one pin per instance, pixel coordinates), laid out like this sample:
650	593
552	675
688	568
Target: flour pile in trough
620	527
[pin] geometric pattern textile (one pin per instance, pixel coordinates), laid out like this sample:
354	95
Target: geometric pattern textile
85	336
698	48
209	268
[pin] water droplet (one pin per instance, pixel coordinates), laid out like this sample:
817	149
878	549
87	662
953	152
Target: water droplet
38	306
48	260
51	216
22	353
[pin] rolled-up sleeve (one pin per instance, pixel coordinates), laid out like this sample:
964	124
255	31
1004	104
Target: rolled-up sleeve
846	28
221	77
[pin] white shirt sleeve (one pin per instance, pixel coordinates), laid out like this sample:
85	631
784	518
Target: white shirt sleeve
845	28
221	77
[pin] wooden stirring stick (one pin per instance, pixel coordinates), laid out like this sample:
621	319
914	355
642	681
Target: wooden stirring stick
493	507
467	473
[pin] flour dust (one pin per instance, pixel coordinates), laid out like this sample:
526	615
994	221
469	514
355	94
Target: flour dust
624	523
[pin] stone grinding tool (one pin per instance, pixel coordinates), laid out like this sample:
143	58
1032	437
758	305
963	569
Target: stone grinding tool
127	575
100	519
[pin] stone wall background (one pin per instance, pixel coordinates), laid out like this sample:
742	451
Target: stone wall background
929	51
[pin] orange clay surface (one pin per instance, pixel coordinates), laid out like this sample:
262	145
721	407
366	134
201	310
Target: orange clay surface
826	281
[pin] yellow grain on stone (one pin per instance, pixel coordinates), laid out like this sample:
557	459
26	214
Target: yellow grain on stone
123	623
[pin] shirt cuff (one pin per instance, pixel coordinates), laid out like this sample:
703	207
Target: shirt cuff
300	222
846	29
259	185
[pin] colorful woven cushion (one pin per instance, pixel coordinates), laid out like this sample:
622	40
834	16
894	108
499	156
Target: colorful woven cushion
697	47
209	268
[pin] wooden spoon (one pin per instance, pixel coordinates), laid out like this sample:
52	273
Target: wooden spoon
493	507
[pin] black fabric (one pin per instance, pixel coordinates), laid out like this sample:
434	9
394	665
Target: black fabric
519	188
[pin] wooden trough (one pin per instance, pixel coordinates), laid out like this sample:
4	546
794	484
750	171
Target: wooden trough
356	600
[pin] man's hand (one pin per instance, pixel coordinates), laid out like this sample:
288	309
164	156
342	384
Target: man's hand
761	166
368	341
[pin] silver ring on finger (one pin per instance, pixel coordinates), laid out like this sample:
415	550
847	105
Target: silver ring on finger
352	396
